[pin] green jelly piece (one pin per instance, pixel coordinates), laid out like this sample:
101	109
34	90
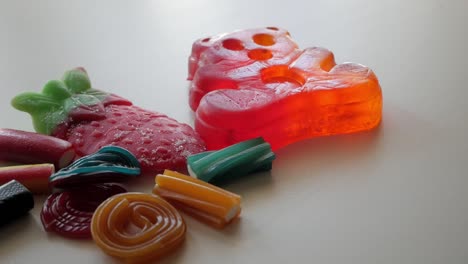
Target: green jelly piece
77	80
109	164
57	99
232	162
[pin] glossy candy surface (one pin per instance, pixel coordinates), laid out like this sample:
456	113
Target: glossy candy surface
137	227
257	82
206	202
35	177
69	213
109	164
88	118
31	148
231	162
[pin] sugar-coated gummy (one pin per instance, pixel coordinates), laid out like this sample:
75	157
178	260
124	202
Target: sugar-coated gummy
90	119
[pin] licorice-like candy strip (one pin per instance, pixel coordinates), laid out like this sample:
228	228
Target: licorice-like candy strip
15	200
232	162
109	164
206	202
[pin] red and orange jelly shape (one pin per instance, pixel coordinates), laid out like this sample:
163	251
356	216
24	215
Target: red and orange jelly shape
257	82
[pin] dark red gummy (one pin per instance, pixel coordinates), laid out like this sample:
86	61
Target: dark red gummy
69	213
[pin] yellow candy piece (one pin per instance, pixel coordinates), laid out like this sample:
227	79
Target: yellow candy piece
200	199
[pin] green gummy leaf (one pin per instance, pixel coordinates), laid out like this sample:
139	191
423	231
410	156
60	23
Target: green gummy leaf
45	122
33	102
80	100
77	80
100	95
56	89
58	98
46	112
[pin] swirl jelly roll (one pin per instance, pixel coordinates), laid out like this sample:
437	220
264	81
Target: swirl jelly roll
69	213
137	227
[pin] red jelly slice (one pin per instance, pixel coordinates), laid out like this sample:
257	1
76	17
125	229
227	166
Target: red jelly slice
69	213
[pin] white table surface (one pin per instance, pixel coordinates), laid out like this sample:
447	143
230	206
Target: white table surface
395	195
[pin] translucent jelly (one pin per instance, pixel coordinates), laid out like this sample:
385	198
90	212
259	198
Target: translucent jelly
258	83
137	227
208	203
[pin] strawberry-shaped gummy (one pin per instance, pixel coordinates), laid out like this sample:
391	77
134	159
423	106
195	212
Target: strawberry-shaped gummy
257	82
90	119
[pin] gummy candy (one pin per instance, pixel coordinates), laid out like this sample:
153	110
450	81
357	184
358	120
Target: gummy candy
109	164
15	200
257	82
89	119
232	162
208	203
69	213
137	227
32	148
34	177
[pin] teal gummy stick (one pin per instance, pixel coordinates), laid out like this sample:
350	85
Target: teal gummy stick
231	162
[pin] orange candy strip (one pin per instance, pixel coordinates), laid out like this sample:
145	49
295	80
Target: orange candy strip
137	227
204	201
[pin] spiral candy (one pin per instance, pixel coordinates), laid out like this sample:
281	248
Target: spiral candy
137	227
69	213
109	164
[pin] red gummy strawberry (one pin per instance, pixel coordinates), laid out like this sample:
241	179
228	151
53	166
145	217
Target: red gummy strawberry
90	119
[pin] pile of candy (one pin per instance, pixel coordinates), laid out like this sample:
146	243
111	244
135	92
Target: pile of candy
251	90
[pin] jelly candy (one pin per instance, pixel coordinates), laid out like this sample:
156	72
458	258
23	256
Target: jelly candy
137	227
34	177
109	164
69	213
30	148
90	119
15	200
257	82
231	162
206	202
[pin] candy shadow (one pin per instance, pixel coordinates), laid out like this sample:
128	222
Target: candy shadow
172	257
299	163
142	183
247	184
75	242
16	235
176	256
312	156
14	228
228	235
